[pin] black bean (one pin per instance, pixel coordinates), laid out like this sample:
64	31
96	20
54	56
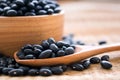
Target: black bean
42	12
38	7
64	37
3	0
54	48
45	44
11	66
70	41
64	67
94	60
19	13
60	53
38	47
64	47
16	72
27	46
32	11
42	2
5	9
50	11
73	46
37	52
35	2
60	44
3	62
80	43
52	6
51	40
11	61
1	68
27	1
33	72
77	67
30	56
2	5
25	69
71	35
31	5
11	12
57	5
51	2
45	54
86	64
8	2
22	56
57	70
14	6
106	64
69	50
45	72
102	42
53	55
46	7
17	65
30	14
57	10
24	10
1	10
105	57
20	53
6	70
66	44
20	2
28	51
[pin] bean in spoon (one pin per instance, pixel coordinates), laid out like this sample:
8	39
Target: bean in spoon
81	52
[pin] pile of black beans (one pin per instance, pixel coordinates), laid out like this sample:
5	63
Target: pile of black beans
85	64
8	66
47	49
28	7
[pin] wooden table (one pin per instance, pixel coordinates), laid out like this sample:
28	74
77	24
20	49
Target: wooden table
90	22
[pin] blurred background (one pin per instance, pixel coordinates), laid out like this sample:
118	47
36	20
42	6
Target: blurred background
93	18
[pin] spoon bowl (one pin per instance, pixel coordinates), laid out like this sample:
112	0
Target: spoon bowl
81	52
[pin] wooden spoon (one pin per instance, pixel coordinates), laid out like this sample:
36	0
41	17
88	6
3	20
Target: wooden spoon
81	52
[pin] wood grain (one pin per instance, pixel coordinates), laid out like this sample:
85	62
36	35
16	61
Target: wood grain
18	31
90	22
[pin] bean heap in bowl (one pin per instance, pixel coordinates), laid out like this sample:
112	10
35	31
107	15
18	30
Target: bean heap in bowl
28	7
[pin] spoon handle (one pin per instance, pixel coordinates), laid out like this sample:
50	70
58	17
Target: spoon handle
98	50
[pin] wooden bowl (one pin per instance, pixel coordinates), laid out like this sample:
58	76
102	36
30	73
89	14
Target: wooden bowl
15	32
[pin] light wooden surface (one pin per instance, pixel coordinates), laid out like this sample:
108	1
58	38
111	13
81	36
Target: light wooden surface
90	22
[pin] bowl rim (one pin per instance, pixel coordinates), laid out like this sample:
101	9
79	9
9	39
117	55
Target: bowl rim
54	14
